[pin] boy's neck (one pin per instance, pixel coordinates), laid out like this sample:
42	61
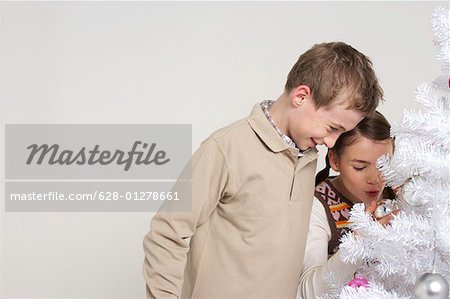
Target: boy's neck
279	111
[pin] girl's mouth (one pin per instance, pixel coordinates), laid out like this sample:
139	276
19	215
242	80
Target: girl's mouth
372	193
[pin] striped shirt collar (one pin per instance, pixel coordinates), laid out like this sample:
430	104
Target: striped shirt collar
265	105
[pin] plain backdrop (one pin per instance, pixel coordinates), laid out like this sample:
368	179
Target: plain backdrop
202	63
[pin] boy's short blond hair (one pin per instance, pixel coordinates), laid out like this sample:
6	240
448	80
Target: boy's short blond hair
330	69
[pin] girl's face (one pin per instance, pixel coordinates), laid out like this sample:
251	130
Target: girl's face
359	179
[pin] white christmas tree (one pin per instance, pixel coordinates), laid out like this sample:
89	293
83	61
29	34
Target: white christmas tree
417	241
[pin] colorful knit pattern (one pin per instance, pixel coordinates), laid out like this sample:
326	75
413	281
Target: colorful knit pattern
337	208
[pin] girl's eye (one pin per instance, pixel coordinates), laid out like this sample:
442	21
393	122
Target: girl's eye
358	168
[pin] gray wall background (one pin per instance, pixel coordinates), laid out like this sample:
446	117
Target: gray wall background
173	62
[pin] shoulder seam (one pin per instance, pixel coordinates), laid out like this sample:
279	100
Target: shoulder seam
222	153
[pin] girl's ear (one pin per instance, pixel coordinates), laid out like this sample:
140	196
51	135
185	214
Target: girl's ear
334	163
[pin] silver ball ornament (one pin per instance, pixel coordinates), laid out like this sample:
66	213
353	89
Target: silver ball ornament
407	194
431	286
385	208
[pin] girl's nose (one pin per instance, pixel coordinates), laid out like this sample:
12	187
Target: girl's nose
374	177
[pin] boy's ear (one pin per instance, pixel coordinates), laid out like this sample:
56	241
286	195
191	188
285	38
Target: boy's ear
299	94
333	160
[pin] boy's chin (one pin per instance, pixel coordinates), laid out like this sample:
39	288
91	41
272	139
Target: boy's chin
304	148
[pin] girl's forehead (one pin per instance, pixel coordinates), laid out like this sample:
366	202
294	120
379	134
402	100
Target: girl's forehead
363	147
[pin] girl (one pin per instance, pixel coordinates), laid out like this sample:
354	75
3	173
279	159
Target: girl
354	156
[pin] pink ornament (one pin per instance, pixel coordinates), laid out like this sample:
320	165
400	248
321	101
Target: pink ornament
357	282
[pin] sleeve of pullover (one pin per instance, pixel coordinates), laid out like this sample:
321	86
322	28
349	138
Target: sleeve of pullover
166	245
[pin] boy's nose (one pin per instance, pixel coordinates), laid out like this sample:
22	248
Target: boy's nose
330	141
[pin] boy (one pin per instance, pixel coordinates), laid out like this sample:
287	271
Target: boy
253	183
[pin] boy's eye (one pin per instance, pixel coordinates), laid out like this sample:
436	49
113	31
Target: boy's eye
333	129
360	168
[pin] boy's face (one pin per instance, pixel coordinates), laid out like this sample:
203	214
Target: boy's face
310	126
